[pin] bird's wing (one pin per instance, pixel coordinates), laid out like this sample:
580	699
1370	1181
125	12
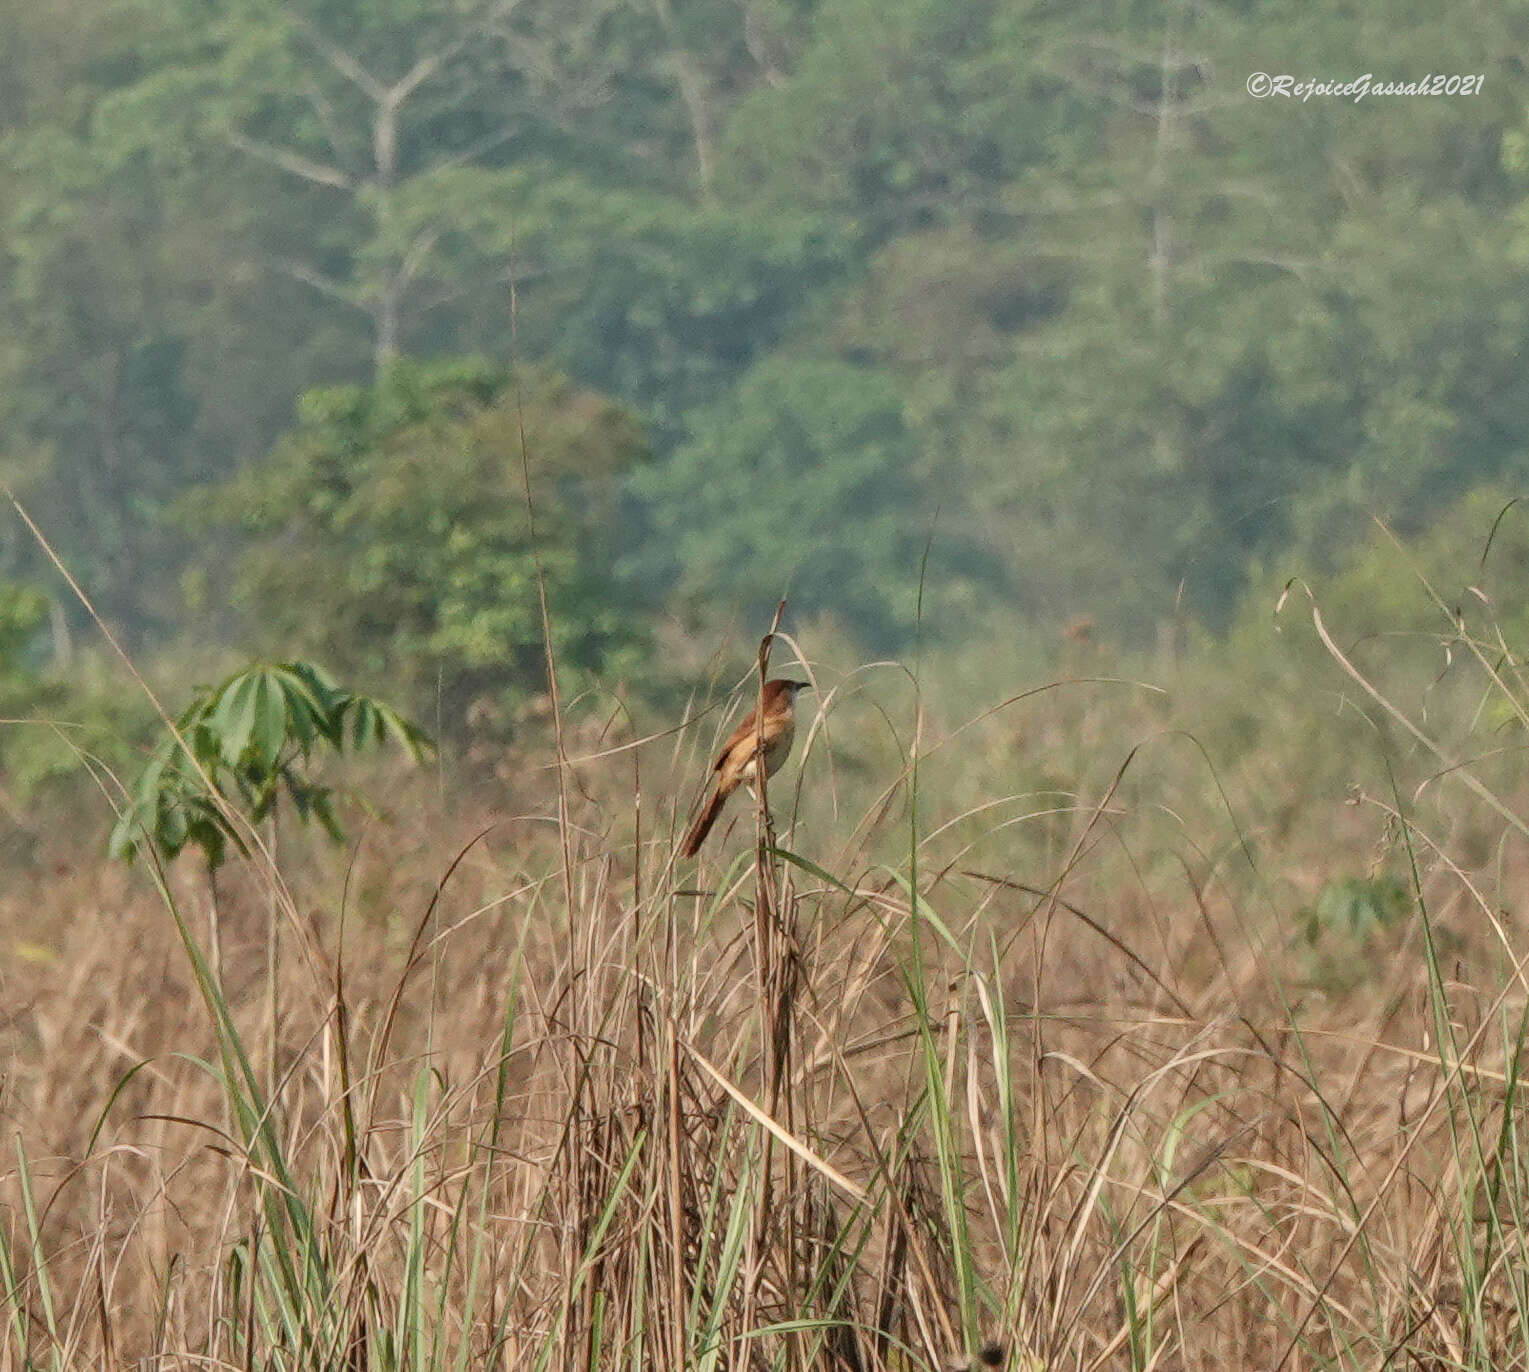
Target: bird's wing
738	736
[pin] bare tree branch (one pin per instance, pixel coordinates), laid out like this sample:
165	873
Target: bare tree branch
415	255
475	150
754	43
425	68
324	111
691	80
294	162
341	61
325	285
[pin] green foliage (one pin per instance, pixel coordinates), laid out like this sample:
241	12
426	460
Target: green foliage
1353	906
96	416
30	750
390	535
23	613
61	706
1147	334
23	690
806	482
246	743
658	302
1154	345
902	116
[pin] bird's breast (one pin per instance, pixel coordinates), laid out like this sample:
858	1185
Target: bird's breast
777	747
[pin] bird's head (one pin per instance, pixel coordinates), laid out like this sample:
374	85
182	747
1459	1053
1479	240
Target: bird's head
785	686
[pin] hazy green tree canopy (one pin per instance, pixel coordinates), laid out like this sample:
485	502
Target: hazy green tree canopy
399	534
1050	271
804	482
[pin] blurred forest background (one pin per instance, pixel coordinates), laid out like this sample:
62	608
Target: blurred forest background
785	291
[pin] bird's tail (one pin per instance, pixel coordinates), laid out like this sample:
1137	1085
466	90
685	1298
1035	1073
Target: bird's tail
697	835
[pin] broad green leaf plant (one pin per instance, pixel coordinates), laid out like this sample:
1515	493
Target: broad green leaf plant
243	744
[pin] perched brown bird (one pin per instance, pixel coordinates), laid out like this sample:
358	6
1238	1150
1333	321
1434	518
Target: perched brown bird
737	763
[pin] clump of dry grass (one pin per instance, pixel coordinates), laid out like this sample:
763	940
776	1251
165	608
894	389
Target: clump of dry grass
864	1097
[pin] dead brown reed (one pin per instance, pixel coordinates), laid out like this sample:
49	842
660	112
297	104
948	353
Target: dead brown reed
1059	1083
